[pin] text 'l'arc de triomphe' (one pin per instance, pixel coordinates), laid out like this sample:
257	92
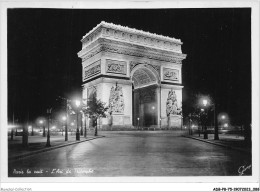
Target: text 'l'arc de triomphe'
136	73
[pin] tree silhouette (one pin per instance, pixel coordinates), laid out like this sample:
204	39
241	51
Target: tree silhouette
95	109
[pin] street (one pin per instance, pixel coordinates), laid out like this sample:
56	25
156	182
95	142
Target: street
144	153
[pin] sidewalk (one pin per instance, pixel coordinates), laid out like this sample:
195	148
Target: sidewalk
235	142
37	144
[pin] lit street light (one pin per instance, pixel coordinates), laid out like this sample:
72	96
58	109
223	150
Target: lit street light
205	103
77	102
43	127
31	127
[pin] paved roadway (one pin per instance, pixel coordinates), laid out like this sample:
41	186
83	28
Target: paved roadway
134	154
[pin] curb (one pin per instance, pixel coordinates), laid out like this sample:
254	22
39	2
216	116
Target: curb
219	144
49	149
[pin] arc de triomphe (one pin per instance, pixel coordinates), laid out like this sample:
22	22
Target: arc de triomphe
136	73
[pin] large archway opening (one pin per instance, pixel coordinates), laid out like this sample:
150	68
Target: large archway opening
145	96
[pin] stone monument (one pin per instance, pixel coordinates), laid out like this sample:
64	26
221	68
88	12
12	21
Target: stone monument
136	73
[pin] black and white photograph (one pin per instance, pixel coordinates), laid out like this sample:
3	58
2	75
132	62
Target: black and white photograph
130	93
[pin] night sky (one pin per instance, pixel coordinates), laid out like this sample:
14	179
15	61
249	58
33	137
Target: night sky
43	62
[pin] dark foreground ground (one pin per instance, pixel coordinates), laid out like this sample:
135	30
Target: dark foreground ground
136	153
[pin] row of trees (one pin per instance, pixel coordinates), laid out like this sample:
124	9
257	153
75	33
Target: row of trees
92	108
205	115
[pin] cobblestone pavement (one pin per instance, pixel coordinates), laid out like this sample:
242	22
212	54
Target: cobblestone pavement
136	153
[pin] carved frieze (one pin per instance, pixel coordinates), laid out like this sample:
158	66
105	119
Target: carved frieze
172	106
120	50
91	54
170	74
116	100
91	70
118	67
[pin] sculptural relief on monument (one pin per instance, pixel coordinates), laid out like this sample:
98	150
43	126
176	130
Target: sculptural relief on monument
118	67
92	92
172	107
91	70
116	100
170	74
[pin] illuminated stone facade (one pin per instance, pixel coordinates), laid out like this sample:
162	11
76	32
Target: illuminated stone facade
136	73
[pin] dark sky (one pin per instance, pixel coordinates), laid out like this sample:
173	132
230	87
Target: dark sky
43	46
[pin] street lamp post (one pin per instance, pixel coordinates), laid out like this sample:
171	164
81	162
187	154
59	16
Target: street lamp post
77	102
25	136
216	137
12	130
85	126
72	124
181	122
154	116
67	106
12	133
205	103
66	125
43	127
138	123
31	127
201	122
64	119
95	126
190	132
81	124
48	144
